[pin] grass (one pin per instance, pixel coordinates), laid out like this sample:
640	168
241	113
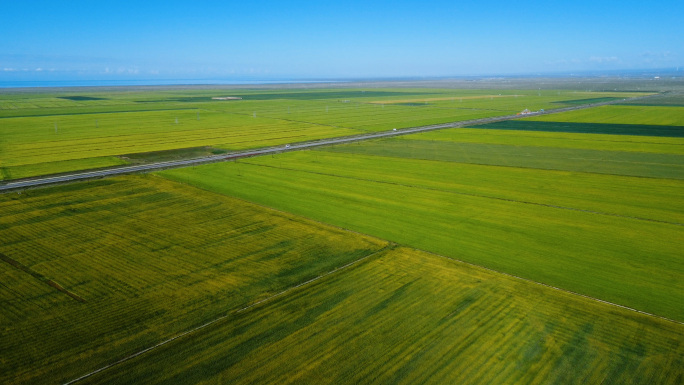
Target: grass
626	253
407	317
149	258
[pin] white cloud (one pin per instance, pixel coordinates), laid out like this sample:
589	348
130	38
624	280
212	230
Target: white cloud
604	59
660	55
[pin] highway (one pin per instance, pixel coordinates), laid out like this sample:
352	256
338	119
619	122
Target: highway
78	176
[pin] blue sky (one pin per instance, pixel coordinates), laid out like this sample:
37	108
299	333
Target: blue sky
78	39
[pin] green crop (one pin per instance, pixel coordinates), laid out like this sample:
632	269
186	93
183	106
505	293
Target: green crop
139	260
613	237
406	317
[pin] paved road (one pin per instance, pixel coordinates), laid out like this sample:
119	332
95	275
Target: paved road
35	182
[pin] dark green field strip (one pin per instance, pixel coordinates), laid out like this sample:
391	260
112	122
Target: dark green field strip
643	198
650	165
407	317
152	258
80	98
628	261
588	128
601	142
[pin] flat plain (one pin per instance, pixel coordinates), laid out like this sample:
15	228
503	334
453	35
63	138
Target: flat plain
46	133
96	272
408	317
93	272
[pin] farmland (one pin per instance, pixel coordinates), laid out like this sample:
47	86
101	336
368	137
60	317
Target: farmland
450	256
547	214
45	133
144	259
408	317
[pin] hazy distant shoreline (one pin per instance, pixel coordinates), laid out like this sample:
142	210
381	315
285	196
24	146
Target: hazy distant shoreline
591	82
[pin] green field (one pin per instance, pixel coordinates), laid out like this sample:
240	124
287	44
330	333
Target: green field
407	317
588	128
138	260
641	120
564	228
627	163
620	114
560	140
667	99
45	133
449	256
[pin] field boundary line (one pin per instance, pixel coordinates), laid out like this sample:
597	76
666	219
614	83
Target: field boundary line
20	266
390	246
180	181
473	195
556	288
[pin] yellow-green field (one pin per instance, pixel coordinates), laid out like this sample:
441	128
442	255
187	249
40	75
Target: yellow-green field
451	256
43	134
138	260
615	237
620	114
407	317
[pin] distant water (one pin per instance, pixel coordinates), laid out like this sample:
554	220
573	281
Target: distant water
148	82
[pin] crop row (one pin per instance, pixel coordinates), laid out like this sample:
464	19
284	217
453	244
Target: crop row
151	259
601	142
578	247
647	198
619	114
408	317
652	165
